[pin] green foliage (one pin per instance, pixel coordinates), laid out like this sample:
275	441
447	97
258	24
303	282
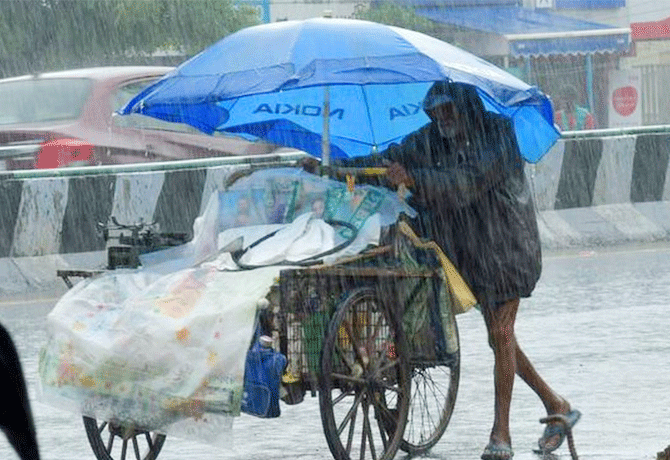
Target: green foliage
395	15
38	35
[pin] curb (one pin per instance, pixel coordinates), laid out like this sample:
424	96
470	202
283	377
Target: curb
605	225
26	275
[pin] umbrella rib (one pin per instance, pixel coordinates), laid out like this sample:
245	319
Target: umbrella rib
367	113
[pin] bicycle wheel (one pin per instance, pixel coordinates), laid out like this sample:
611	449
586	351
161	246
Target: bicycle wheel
363	369
145	445
434	388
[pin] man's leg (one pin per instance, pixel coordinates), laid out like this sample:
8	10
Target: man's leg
553	403
500	325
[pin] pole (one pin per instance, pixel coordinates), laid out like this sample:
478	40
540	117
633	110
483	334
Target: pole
325	138
589	81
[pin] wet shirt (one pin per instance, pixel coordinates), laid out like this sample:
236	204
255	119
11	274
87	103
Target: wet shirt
474	201
581	118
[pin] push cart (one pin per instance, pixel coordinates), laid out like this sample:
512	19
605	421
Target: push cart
373	335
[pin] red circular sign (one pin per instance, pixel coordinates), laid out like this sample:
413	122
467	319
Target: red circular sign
625	100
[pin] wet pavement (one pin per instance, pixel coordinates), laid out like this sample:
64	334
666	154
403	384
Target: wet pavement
596	328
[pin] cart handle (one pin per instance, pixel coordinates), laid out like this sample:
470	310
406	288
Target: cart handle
368	171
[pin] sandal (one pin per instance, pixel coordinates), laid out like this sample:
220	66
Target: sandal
554	429
495	451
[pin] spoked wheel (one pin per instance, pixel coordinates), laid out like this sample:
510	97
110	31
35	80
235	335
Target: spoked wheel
365	382
434	390
112	441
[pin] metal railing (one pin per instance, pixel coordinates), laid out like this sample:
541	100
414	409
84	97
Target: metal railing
279	158
614	132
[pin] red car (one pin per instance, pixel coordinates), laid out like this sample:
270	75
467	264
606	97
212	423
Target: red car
68	118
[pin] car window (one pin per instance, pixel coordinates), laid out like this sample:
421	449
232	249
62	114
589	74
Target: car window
135	120
121	97
43	100
124	93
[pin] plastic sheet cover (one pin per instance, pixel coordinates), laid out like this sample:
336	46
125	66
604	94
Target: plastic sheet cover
163	347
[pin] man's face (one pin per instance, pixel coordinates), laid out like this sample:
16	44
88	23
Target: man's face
448	119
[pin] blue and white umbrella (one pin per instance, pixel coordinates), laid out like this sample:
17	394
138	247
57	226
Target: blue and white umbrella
357	84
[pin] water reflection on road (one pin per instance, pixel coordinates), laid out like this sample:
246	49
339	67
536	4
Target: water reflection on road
596	329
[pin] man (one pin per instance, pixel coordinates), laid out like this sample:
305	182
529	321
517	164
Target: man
468	185
569	116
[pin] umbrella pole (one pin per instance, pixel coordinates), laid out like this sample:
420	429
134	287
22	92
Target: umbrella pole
325	138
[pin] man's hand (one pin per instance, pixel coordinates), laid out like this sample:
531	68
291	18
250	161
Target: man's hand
397	175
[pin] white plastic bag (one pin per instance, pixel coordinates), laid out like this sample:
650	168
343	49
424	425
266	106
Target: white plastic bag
163	352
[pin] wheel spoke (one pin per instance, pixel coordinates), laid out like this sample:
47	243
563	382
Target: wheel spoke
136	448
421	404
150	441
342	395
380	410
367	432
350	435
385	412
348	378
124	448
351	413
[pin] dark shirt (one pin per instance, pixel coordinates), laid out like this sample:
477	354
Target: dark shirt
474	201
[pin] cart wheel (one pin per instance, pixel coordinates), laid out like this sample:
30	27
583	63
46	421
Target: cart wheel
145	444
434	388
364	382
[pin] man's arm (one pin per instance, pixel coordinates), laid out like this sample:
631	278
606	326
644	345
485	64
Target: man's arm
466	179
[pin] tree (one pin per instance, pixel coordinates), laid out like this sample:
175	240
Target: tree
399	16
38	35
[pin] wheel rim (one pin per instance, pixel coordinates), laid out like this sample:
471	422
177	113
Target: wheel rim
365	388
434	390
114	441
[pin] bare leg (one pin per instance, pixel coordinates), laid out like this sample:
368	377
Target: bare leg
510	359
553	403
500	326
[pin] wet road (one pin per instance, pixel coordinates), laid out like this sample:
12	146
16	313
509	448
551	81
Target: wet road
596	329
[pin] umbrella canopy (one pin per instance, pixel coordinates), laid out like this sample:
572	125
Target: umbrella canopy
359	84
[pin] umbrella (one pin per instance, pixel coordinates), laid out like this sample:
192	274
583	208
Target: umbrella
339	87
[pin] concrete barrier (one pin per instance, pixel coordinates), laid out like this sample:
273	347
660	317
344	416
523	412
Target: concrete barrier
49	219
604	187
592	189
